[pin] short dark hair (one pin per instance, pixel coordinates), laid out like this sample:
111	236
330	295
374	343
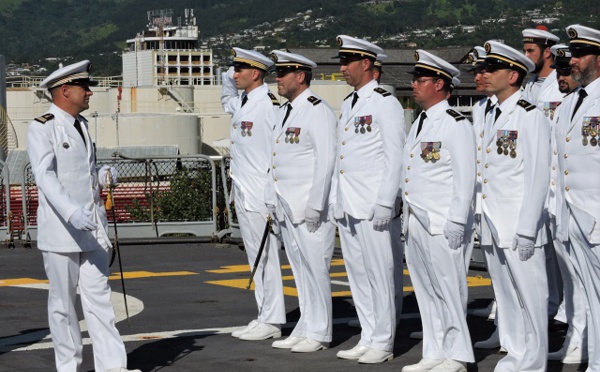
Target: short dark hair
307	76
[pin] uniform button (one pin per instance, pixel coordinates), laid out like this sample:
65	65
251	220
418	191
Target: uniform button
275	179
567	188
566	173
346	129
406	180
341	156
566	156
553	167
232	142
484	196
488	150
341	171
274	167
555	152
568	139
479	148
485	181
481	134
487	165
277	141
405	192
412	155
274	153
479	174
478	161
343	143
234	127
408	167
553	183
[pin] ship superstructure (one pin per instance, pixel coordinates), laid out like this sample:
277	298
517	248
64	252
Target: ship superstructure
168	53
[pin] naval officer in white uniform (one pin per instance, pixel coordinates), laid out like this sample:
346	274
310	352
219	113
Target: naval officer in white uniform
438	173
302	159
253	116
516	173
73	235
365	199
578	201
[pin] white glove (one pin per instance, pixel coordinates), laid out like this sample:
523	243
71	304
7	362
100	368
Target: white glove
274	222
312	218
81	219
107	176
381	217
454	233
331	214
229	73
525	246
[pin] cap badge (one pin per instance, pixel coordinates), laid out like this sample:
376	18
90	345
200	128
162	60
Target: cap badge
416	56
572	33
560	52
488	48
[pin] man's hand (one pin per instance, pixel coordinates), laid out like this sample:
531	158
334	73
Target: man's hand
82	220
454	233
381	217
312	218
525	245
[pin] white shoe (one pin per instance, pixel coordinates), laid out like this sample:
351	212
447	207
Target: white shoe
354	323
353	354
573	355
261	331
487	311
308	346
239	332
492	315
492	342
288	343
450	365
121	369
374	356
418	335
423	366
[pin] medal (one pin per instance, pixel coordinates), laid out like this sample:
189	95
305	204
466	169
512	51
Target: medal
369	128
505	151
584	141
500	151
513	154
249	133
362	130
243	133
499	142
594	142
356	130
436	155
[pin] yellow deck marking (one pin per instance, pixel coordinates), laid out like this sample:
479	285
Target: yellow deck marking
472	281
115	276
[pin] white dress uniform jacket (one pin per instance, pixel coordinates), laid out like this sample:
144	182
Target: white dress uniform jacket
546	95
579	176
516	210
479	117
439	190
367	170
251	131
302	159
66	175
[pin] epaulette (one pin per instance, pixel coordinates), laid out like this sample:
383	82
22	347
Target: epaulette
456	115
273	99
348	96
314	100
44	118
382	91
526	105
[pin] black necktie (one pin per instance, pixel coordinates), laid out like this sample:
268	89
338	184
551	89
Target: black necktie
498	112
354	99
287	114
78	127
244	100
582	95
488	106
421	120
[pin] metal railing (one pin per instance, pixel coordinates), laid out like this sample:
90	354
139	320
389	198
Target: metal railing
156	197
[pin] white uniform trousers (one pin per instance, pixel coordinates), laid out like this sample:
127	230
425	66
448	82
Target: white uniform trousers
521	291
268	287
574	297
310	256
89	271
398	252
586	260
369	260
440	281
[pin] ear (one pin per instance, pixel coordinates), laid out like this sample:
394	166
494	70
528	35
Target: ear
300	76
547	53
366	64
513	76
439	85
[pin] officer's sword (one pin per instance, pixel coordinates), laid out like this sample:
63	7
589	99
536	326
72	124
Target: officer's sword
109	206
260	251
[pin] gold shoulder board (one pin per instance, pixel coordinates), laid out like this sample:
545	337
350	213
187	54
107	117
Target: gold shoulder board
457	116
383	92
273	99
526	105
314	100
44	118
